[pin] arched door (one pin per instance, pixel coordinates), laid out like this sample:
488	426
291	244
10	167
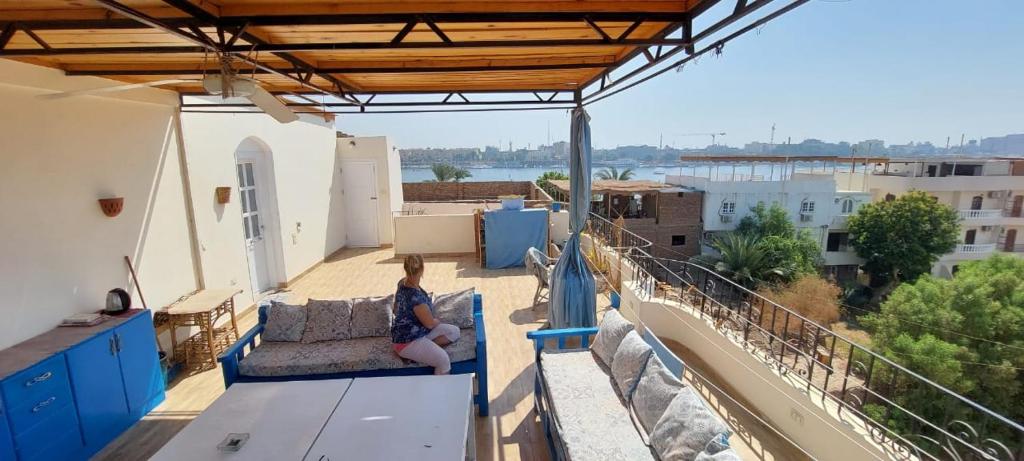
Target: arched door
257	200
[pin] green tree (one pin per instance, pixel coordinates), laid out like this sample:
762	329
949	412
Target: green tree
793	250
743	259
542	180
613	173
901	239
966	334
444	172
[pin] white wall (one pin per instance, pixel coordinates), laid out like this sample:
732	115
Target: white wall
379	150
306	186
60	254
434	234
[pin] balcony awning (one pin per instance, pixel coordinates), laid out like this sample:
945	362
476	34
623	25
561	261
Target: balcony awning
602	186
378	56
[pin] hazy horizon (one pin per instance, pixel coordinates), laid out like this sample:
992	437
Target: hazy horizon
912	70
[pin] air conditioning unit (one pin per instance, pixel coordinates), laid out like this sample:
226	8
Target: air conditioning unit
806	217
726	218
986	228
996	193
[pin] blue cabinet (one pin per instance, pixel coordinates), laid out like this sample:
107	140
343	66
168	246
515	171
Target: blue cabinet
96	379
6	443
69	405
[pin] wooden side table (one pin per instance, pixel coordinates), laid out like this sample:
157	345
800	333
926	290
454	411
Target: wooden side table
203	309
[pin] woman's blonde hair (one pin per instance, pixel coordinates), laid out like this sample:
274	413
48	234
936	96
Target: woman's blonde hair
413	265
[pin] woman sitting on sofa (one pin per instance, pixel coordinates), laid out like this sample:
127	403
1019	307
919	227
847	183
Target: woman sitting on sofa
415	333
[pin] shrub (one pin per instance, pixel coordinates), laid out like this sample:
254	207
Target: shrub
810	296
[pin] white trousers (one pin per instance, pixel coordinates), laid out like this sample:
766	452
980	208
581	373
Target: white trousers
424	350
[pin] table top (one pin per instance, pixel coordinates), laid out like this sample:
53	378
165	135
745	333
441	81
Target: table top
202	301
282	418
422	418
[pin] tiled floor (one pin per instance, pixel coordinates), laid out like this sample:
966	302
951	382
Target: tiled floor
511	432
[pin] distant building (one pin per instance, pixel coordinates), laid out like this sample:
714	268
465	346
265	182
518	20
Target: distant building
987	193
1012	144
870	147
813	202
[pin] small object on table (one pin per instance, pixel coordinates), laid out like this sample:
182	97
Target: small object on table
87	319
233	442
202	310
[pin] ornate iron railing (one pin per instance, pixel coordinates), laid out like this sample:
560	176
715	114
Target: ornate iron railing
876	390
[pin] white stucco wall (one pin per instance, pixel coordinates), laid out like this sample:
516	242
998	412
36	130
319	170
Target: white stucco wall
306	183
379	150
59	254
434	234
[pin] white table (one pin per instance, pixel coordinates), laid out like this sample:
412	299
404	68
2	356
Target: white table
421	418
408	417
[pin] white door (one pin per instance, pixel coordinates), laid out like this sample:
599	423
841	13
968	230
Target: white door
359	182
253	226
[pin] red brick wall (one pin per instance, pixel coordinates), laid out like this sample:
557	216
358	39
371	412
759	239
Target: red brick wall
677	216
442	191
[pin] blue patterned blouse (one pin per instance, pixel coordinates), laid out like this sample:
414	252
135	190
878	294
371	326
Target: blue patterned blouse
406	327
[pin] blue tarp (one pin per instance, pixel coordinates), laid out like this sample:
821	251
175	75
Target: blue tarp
509	233
573	296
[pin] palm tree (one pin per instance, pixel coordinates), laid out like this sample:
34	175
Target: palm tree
543	183
742	259
444	172
613	173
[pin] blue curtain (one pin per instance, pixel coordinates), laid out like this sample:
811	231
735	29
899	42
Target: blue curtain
573	297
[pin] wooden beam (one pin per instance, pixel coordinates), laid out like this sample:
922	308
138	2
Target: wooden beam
593	25
329	69
6	34
405	31
440	33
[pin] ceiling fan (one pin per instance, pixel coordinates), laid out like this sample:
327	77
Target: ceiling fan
226	84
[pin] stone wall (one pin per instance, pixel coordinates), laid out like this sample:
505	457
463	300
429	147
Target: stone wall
448	191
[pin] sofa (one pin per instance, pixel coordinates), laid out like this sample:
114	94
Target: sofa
614	397
289	353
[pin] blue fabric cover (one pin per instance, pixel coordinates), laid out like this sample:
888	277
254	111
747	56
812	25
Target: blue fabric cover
573	296
511	232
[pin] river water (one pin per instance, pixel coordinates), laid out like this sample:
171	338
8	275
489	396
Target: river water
649	173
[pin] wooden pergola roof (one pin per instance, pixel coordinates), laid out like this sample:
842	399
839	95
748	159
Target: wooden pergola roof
544	53
614	186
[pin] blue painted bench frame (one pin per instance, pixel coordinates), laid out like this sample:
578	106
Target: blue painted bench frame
229	361
542	399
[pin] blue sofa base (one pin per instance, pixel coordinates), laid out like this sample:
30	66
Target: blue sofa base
229	362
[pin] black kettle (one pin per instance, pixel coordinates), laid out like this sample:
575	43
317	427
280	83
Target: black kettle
118	302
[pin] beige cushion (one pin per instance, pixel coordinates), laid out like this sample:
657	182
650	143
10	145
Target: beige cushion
372	316
285	322
613	328
327	320
686	428
654	392
455	308
630	360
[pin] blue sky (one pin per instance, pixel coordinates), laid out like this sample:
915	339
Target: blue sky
898	70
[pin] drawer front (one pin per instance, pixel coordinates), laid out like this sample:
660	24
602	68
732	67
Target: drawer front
37	383
68	448
62	425
28	414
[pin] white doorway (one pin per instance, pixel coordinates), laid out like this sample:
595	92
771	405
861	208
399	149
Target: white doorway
258	204
359	182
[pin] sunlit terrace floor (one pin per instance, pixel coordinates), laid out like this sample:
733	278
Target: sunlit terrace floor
511	432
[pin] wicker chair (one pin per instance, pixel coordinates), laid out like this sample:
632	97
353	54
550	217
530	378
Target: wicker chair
539	264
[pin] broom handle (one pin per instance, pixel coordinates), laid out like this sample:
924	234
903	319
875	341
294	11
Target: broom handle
136	280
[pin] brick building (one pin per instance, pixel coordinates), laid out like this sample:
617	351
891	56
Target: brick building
668	216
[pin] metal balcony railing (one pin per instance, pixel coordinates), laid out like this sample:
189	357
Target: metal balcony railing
861	382
977	248
980	214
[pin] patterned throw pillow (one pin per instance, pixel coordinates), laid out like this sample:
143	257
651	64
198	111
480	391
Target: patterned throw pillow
629	362
613	328
327	320
687	428
372	316
455	308
654	391
285	322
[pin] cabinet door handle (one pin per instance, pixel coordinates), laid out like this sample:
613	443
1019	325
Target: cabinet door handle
113	347
117	342
45	403
39	379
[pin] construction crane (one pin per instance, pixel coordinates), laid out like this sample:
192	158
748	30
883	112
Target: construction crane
714	136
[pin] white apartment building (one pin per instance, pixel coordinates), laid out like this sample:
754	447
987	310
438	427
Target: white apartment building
813	201
988	193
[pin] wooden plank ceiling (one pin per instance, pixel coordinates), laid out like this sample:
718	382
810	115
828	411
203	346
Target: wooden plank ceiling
366	47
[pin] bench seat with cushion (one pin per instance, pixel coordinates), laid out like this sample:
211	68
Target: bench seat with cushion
275	353
619	400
